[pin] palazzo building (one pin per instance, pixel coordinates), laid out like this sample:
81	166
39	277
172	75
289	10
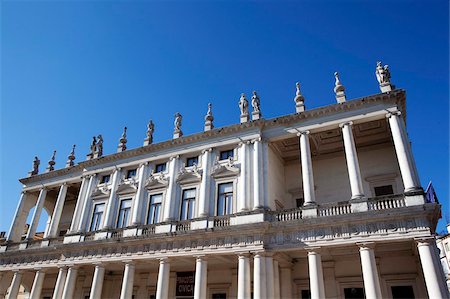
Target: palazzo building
321	203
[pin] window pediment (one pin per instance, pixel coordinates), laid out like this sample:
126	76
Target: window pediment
101	191
229	168
128	185
156	181
189	175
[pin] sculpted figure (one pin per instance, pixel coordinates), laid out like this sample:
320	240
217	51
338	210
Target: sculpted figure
177	122
93	146
383	74
36	163
150	130
243	105
255	102
100	145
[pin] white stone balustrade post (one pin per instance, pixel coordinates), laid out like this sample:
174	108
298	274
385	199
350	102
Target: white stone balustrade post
97	282
79	205
307	169
171	194
404	153
351	157
59	286
38	282
69	285
128	281
243	277
37	213
85	212
259	277
205	185
201	277
112	201
369	269
434	282
15	231
162	289
15	285
316	274
57	212
136	214
258	198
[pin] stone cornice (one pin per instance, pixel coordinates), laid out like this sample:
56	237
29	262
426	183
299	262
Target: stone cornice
397	97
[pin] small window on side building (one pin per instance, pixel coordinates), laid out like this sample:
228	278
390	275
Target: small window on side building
383	190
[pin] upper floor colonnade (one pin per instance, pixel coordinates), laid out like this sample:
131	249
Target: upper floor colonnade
227	179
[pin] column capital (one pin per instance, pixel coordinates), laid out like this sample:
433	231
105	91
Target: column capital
313	250
300	133
129	262
347	123
424	241
242	255
366	245
143	164
207	150
164	260
174	157
393	113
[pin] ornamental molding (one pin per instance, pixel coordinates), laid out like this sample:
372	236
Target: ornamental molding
396	97
225	169
156	181
127	185
189	175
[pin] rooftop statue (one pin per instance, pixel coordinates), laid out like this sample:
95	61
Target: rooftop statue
99	146
150	129
51	162
243	104
209	119
122	141
299	99
177	126
93	146
35	169
339	89
383	73
255	102
71	157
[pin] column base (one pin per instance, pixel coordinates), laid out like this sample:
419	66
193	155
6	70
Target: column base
414	200
359	204
309	210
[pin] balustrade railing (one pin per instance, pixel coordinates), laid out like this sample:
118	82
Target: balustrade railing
388	202
89	236
148	230
183	226
221	221
334	209
288	215
117	234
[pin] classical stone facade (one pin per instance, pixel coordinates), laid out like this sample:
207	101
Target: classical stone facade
323	203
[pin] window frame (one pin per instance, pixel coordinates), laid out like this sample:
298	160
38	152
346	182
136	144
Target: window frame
127	174
161	164
194	212
100	223
102	182
233	154
217	195
193	158
119	210
149	196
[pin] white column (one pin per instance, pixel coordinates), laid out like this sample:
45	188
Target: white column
38	282
276	279
258	199
404	153
369	270
15	285
69	285
259	277
171	194
286	282
243	277
351	157
162	289
59	286
203	202
316	275
97	282
434	282
307	170
136	215
128	281
57	211
112	201
79	205
244	176
201	276
82	224
37	213
16	228
270	278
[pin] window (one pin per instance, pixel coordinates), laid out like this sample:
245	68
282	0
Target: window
97	216
225	199
383	190
306	294
402	292
105	179
188	204
299	202
224	155
354	293
219	296
160	167
131	173
124	213
154	208
191	161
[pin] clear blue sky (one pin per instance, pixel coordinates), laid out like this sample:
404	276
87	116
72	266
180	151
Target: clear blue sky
74	69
